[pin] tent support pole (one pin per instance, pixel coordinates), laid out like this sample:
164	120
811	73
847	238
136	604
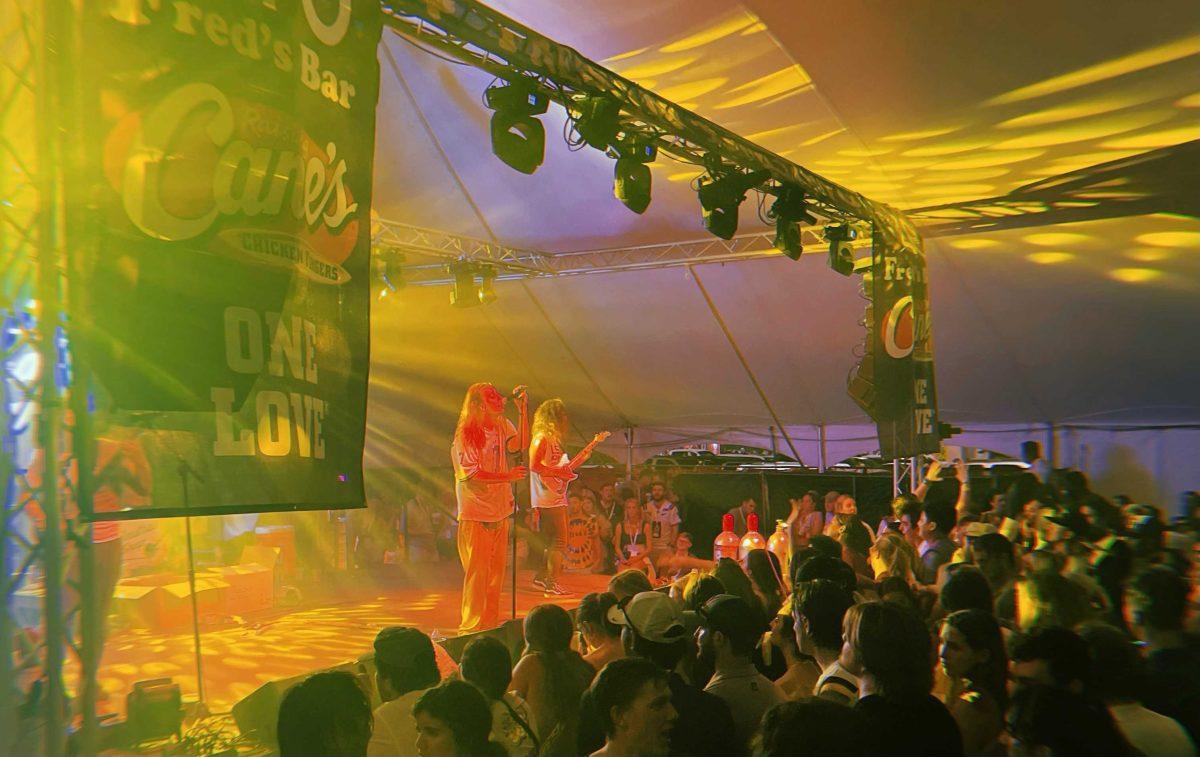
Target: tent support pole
629	453
712	306
1052	445
822	460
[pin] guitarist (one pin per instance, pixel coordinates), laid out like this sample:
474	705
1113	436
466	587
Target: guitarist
552	470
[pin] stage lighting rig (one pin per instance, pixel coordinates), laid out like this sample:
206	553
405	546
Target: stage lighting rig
631	177
841	251
474	284
463	293
722	194
598	121
788	211
387	269
518	138
487	284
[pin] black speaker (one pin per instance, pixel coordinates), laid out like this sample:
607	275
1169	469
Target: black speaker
257	715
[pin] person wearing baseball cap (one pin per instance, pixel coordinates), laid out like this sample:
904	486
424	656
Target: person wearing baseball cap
729	629
654	627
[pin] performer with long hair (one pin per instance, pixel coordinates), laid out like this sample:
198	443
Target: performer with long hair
483	440
552	471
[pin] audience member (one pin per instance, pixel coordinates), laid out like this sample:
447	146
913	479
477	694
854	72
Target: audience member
972	655
966	588
487	664
846	516
1050	656
601	636
804	519
653	629
663	517
818	609
741	515
627	583
831	499
1045	720
729	630
632	537
856	548
1117	675
892	556
937	519
736	582
405	667
1044	598
454	720
813	727
700	591
890	650
994	555
1160	604
906	514
898	591
766	580
609	505
831	569
325	715
551	677
826	545
633	701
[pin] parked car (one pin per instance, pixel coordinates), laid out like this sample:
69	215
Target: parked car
725	456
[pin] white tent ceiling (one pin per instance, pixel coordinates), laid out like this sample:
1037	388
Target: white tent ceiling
914	104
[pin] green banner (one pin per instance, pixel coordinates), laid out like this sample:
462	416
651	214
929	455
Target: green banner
901	348
222	308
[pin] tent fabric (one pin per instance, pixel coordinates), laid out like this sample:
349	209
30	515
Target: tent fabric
1084	323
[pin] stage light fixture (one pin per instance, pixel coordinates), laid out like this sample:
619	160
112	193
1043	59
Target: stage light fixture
388	270
841	251
598	121
518	138
631	177
487	285
463	293
788	239
788	211
721	195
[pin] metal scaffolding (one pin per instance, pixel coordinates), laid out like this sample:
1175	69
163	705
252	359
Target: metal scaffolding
48	619
427	252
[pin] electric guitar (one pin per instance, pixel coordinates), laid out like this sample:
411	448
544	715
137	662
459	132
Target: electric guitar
584	454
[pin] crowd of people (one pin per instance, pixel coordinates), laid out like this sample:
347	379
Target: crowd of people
1038	619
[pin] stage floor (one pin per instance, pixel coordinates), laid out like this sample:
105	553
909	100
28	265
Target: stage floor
336	627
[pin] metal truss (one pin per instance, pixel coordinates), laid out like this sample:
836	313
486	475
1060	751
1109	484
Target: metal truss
471	33
428	252
48	615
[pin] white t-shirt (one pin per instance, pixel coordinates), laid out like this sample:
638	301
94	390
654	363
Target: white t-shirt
548	491
661	517
486	502
1152	734
395	729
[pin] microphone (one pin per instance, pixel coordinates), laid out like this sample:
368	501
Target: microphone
519	390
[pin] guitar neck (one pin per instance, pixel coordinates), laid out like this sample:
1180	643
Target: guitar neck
583	453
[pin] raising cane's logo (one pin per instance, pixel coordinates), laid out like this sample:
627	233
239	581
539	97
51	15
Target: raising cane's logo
898	333
191	159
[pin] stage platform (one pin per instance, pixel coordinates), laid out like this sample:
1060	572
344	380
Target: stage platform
335	622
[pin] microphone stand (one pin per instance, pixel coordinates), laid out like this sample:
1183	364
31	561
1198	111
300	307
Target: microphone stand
184	471
524	460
